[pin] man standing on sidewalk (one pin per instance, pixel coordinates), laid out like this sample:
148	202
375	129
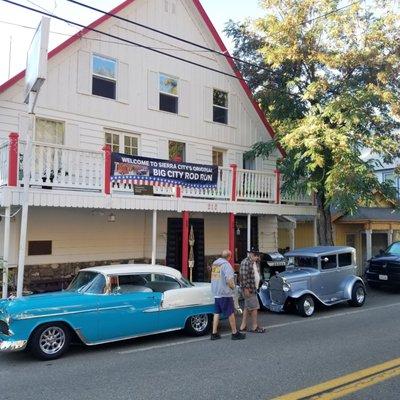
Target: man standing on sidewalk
249	283
222	286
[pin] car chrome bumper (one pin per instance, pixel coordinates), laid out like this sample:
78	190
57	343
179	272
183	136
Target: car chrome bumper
13	345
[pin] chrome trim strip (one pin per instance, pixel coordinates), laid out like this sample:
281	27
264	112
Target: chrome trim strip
85	341
13	345
18	317
185	306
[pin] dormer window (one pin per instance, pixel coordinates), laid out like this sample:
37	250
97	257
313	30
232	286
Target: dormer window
104	77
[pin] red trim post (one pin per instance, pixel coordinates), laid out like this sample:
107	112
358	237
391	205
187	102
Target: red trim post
107	168
278	186
185	244
234	181
232	237
13	159
178	191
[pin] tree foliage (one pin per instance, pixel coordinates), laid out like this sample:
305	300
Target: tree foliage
329	82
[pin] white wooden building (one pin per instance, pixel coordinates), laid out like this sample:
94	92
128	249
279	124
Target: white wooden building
103	91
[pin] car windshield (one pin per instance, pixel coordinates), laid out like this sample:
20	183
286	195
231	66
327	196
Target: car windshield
88	282
186	282
304	262
393	249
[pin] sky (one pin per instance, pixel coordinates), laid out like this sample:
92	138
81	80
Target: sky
18	38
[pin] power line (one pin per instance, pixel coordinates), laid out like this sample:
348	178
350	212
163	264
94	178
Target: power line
224	54
123	40
329	13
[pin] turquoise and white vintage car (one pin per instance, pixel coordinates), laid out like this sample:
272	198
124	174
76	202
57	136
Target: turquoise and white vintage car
106	304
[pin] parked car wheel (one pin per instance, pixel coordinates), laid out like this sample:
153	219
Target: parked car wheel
357	295
198	325
305	306
50	341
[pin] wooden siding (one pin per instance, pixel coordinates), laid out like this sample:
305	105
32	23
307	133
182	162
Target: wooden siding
64	97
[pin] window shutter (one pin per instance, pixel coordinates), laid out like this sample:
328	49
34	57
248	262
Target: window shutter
84	84
123	82
191	152
208	104
153	100
71	138
232	110
184	98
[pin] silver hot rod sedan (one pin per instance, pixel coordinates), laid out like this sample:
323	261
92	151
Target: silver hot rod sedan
324	274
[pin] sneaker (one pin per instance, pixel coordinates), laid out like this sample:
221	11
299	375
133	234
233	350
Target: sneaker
215	336
238	336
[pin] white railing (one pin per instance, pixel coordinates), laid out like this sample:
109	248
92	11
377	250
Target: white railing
60	166
4	163
221	191
296	199
255	185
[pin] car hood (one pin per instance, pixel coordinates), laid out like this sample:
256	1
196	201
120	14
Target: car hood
383	259
298	274
48	303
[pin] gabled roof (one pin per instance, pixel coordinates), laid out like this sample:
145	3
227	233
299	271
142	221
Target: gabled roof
6	85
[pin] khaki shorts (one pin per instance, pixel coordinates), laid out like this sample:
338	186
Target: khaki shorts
251	302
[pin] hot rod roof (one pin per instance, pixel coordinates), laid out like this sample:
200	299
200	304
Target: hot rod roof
318	251
134	269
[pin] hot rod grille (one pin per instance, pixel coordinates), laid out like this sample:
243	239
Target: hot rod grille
276	290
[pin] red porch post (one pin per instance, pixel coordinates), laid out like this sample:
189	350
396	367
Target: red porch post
278	186
107	169
232	236
234	178
185	243
178	192
13	159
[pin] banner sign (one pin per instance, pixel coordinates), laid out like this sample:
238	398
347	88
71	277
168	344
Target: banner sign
152	171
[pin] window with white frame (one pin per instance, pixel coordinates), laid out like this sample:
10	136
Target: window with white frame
131	145
104	79
249	162
176	151
220	106
49	131
122	142
218	157
168	94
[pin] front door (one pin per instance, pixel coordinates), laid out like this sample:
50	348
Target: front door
131	308
241	236
174	246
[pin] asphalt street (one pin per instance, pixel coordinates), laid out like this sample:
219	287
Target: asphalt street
295	353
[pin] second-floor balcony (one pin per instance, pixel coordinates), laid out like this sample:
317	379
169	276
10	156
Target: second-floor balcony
62	168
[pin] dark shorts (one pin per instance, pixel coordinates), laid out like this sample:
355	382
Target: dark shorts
224	305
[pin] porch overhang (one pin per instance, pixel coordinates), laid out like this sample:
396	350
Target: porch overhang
78	199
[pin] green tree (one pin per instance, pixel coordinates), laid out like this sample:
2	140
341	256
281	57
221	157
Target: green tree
328	80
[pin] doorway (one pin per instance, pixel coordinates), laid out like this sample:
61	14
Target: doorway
174	246
241	236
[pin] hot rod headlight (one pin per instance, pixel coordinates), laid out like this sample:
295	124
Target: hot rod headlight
286	287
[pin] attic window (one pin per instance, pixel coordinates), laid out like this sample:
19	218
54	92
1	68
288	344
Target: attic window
168	94
104	79
220	106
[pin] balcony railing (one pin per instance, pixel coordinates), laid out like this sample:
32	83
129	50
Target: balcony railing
4	163
60	167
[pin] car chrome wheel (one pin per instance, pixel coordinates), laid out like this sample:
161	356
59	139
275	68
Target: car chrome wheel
360	295
308	307
52	340
199	323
